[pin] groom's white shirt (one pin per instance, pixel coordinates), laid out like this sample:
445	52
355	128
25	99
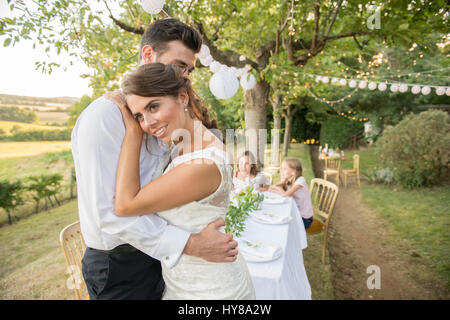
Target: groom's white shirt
96	143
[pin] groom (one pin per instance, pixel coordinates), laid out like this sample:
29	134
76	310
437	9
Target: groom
124	255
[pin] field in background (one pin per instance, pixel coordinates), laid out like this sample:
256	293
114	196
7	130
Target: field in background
8	125
52	117
31	148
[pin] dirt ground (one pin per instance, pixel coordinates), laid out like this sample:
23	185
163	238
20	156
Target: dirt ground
360	238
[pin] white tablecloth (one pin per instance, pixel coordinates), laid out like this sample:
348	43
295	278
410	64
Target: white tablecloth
284	278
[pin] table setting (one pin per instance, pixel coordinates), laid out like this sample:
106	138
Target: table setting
271	241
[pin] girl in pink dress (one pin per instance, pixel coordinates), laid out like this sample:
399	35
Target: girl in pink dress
293	184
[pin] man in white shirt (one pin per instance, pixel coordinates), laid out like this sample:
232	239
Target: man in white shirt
123	257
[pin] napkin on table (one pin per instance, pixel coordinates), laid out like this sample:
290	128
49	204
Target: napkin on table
258	249
270	217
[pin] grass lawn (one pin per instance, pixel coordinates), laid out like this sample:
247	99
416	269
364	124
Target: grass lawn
420	216
32	265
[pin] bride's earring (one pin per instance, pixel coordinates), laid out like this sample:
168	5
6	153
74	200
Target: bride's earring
185	108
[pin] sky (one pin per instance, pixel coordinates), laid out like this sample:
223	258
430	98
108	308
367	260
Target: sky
19	76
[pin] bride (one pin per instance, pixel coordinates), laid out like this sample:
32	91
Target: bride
194	188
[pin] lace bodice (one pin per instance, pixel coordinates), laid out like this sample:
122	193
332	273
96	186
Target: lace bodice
193	277
213	206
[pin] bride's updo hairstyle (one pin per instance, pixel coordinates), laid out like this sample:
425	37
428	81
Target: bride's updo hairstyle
157	79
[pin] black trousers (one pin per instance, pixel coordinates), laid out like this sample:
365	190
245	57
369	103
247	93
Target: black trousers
123	273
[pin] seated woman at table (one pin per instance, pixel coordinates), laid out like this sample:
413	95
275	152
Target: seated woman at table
248	174
293	184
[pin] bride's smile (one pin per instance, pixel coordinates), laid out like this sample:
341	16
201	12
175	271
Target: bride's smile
160	116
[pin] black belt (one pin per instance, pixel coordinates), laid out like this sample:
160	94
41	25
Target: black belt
123	248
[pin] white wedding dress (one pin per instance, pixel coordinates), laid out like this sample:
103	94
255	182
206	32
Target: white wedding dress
194	278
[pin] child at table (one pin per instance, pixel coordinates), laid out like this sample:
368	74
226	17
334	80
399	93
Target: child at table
293	184
247	174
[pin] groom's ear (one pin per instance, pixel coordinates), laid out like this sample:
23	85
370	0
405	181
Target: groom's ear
148	54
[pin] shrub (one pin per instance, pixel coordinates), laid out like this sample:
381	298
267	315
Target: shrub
337	131
417	148
10	197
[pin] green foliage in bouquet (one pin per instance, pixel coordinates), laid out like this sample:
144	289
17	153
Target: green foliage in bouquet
247	201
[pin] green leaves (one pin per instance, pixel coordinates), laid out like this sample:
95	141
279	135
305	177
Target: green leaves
6	42
247	201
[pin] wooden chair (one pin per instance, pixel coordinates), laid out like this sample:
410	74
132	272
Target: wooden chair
268	175
73	247
272	167
323	195
354	171
332	167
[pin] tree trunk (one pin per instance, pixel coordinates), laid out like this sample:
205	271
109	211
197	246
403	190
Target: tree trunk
9	217
255	119
276	131
287	131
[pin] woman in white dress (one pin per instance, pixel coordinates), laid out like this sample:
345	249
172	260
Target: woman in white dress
194	189
247	174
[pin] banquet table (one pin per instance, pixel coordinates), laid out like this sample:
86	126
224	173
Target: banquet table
283	278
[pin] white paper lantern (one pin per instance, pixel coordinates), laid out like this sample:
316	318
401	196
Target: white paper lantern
325	79
382	86
403	87
447	92
352	84
204	51
242	58
415	89
214	66
152	6
362	84
334	80
426	90
318	78
394	87
372	86
248	81
206	61
440	91
223	84
342	82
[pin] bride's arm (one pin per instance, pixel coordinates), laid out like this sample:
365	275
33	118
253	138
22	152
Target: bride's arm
187	182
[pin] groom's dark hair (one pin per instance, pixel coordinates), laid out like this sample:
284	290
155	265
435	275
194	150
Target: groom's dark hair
162	31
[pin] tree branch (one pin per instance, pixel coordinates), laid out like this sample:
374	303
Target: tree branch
126	27
316	24
228	57
333	18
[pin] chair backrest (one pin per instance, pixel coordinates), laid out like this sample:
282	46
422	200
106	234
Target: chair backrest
73	247
268	175
332	163
323	196
356	162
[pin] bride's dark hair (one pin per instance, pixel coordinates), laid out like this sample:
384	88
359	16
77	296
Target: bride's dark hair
157	79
